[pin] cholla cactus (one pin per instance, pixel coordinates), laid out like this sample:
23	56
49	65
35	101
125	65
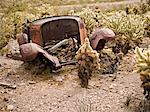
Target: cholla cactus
88	60
129	29
143	64
90	18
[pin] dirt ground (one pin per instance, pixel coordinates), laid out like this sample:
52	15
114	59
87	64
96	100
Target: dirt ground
61	92
104	6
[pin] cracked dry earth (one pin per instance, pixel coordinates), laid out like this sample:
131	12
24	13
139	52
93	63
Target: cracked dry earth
61	92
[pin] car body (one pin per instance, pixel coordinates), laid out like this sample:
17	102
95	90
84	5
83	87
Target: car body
44	30
39	34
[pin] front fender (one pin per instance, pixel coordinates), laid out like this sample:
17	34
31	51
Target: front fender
30	51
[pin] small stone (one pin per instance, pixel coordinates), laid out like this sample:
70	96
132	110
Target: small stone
132	85
41	103
60	79
14	101
112	86
22	84
5	99
113	91
5	92
10	107
18	109
14	87
107	106
31	82
2	109
111	75
2	92
17	76
121	92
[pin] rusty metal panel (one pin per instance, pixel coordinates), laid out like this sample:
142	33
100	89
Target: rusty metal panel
45	31
83	32
101	34
36	35
52	18
30	51
59	29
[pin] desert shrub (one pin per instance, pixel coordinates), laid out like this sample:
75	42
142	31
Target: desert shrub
143	68
141	8
10	19
147	26
129	29
3	42
90	18
13	16
88	60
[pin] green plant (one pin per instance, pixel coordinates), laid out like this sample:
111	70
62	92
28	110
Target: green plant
88	60
143	61
147	27
90	18
129	29
143	68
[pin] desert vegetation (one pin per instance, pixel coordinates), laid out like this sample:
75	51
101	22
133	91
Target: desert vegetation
130	24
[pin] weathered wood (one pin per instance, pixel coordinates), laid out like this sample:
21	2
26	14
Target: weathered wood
56	46
7	85
69	63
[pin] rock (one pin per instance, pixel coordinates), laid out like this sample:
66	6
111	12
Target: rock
11	73
41	103
14	101
112	86
7	85
31	82
5	99
18	110
11	48
121	92
60	79
17	76
111	75
3	91
22	84
10	107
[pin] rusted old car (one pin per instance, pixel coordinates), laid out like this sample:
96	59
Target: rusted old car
39	34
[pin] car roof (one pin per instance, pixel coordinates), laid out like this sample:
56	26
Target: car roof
52	18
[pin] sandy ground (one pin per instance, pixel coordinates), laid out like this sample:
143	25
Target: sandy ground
104	6
61	92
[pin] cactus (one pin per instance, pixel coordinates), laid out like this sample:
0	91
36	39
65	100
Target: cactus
143	65
91	18
88	60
